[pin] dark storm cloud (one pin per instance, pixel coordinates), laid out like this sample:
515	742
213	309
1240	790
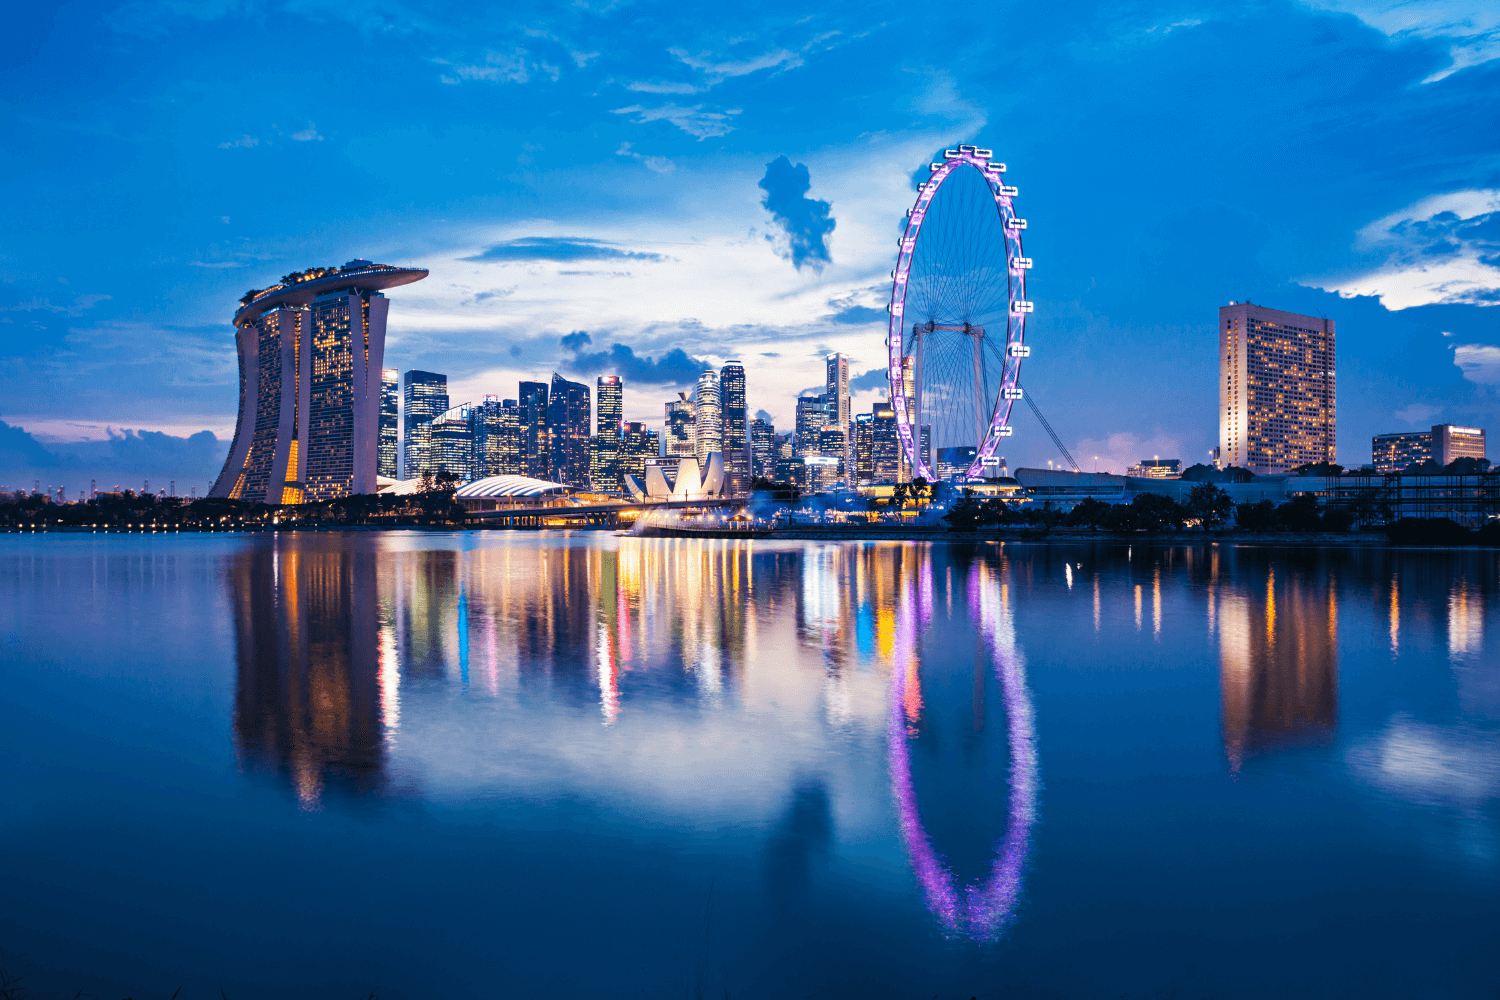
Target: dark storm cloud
559	248
672	368
875	378
805	221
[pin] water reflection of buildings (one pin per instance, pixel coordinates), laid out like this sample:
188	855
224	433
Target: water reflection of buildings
310	688
1278	661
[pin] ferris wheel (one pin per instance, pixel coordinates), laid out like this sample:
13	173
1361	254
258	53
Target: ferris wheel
958	314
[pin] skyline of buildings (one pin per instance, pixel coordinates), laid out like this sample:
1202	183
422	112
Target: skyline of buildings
321	417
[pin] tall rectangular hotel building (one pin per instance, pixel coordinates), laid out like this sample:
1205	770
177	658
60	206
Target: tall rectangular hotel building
1276	389
311	387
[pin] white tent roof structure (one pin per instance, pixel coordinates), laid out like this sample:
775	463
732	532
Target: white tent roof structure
509	486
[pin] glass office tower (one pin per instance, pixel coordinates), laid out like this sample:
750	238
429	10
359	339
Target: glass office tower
568	412
604	456
736	440
424	396
682	427
762	449
310	350
390	421
536	446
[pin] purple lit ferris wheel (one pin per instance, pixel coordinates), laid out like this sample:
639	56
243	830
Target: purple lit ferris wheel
958	313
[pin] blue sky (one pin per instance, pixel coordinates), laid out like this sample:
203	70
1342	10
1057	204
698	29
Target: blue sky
686	188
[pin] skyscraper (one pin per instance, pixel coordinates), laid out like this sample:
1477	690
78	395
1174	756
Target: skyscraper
885	446
636	445
864	448
682	427
536	445
390	423
604	455
497	438
424	396
445	445
837	390
736	433
709	418
1276	388
568	413
762	449
812	417
1450	442
310	352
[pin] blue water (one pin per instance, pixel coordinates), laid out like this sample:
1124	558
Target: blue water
553	765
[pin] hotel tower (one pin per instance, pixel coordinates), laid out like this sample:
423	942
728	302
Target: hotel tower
1276	389
311	350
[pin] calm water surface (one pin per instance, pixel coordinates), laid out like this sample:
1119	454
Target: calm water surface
554	765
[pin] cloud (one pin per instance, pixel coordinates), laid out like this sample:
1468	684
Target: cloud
309	134
1479	362
854	315
672	368
1417	413
718	72
493	293
560	248
581	59
660	164
243	142
1442	249
763	415
498	67
1473	29
805	221
693	120
127	456
871	380
643	87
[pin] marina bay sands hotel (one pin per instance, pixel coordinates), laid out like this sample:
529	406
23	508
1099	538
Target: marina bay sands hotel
311	350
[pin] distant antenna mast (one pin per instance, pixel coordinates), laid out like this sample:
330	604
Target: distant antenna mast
1050	432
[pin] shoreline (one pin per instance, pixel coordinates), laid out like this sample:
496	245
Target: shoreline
830	533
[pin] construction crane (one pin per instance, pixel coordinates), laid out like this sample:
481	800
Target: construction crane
1050	432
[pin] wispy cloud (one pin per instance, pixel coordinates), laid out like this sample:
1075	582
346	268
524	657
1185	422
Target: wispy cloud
559	248
498	67
647	87
1442	249
660	164
309	134
694	120
243	142
717	71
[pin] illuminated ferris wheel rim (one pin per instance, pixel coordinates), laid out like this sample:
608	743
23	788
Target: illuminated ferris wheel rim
1018	306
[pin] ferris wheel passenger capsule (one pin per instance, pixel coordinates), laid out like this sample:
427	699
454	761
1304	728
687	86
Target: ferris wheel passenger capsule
950	154
934	166
966	149
1006	432
1009	192
1019	351
1014	223
984	154
1022	306
1011	393
1020	263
